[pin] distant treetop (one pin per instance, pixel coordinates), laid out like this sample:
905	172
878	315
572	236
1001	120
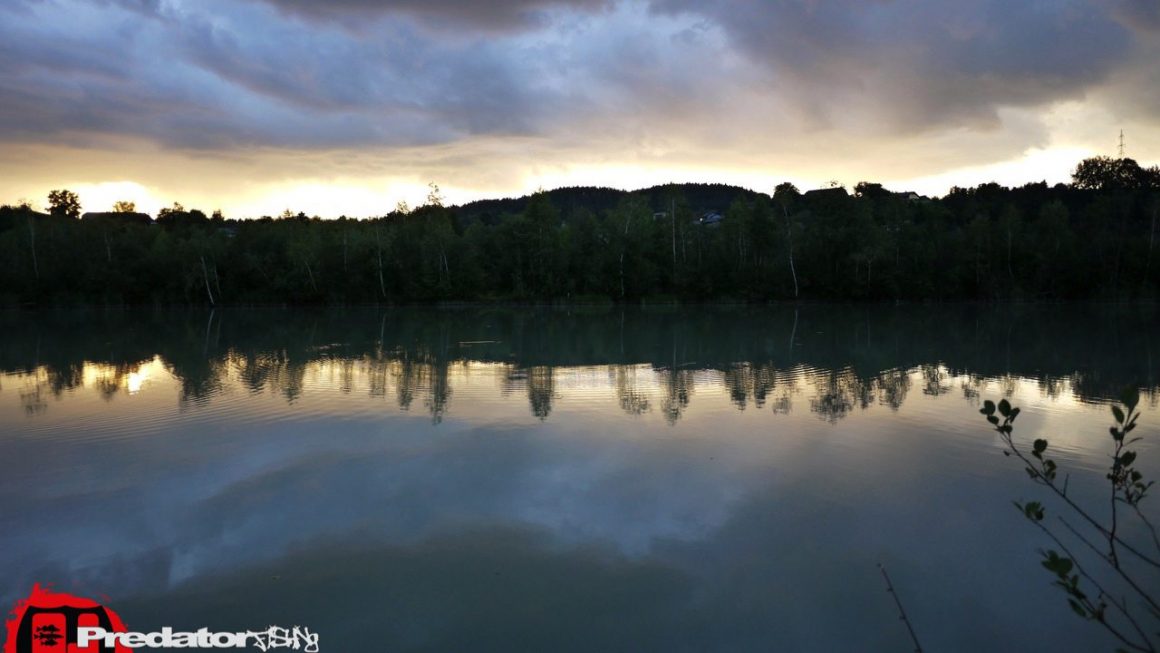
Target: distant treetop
1106	173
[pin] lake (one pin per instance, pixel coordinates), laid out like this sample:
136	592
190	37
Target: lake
586	479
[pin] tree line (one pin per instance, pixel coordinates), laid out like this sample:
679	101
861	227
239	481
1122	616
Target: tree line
1094	238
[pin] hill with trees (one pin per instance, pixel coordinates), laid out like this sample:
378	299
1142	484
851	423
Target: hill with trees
1092	239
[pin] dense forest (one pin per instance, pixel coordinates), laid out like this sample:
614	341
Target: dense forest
1094	238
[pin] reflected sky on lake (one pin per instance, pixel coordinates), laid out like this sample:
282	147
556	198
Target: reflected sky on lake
544	480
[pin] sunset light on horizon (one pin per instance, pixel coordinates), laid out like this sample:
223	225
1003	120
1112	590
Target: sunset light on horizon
349	108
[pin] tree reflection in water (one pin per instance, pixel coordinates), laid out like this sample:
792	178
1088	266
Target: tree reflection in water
842	359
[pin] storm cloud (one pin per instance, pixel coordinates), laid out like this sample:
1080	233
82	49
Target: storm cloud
526	87
501	15
909	64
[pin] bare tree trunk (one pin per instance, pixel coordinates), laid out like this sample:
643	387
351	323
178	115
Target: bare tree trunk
789	240
1151	242
205	276
792	271
382	284
673	214
32	248
793	333
379	250
205	338
217	281
622	273
310	273
623	246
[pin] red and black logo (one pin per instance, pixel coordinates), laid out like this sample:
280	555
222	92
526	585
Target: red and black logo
47	622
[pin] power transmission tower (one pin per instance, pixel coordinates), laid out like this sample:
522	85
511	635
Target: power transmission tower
1121	143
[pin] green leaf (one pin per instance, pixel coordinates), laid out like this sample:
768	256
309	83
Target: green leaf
992	419
1130	397
1040	445
1128	458
1119	414
1077	608
1004	407
1061	567
988	408
1033	511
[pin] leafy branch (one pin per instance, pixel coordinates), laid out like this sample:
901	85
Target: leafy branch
1127	488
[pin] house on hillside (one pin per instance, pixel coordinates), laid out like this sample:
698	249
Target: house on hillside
117	217
710	219
826	193
911	196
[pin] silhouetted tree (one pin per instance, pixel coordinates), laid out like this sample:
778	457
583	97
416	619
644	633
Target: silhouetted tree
1106	173
64	203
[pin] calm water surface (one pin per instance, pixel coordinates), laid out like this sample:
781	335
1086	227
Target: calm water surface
717	479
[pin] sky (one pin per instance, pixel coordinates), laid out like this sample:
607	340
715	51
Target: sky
347	107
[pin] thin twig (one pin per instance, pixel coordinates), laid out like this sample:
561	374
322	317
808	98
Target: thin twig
901	610
1151	527
1116	472
1040	478
1121	605
1090	545
1120	572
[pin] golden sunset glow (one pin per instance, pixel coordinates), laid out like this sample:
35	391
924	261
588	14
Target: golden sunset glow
491	103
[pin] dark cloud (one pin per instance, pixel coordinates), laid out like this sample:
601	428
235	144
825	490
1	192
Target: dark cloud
490	15
397	89
143	7
911	64
1140	14
211	80
214	73
670	83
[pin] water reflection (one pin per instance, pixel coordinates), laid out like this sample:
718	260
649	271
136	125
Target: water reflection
695	479
836	359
